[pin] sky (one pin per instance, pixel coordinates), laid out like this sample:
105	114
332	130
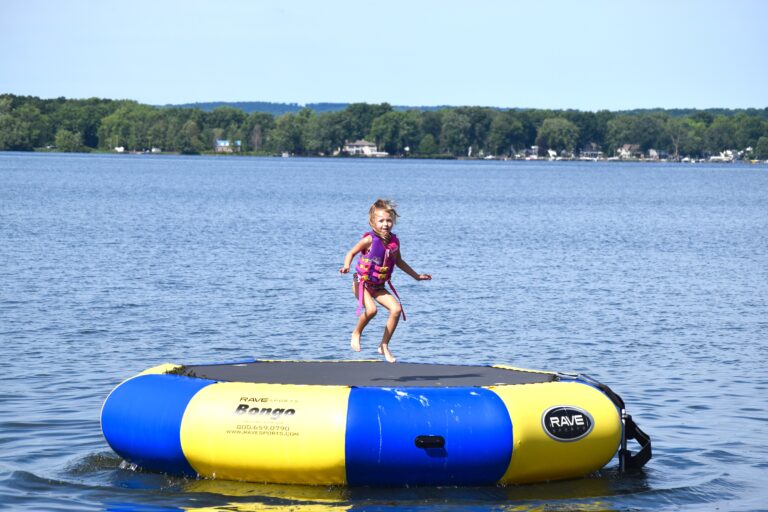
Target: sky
587	54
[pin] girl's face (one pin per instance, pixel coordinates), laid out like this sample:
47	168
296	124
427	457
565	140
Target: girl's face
382	221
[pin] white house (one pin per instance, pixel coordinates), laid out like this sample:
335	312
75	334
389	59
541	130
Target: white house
629	151
225	146
363	148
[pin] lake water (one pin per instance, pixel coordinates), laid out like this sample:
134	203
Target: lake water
652	278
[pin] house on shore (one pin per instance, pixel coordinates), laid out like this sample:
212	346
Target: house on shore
363	148
591	151
629	151
225	146
531	153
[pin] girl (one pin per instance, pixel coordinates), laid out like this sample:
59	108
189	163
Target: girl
379	250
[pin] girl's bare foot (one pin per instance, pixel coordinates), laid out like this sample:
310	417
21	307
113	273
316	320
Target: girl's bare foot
384	350
355	343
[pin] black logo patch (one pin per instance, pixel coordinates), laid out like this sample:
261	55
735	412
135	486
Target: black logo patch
566	423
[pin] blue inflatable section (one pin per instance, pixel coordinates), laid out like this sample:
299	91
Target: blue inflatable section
141	420
445	436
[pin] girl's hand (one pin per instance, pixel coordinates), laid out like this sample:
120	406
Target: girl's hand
344	270
424	277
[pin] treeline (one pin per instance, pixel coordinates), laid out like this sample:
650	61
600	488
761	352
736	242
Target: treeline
28	123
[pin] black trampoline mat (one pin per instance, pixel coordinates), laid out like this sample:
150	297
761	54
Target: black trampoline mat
363	374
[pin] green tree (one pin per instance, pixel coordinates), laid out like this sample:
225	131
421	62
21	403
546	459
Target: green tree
222	123
620	131
721	135
600	131
324	133
558	134
395	131
257	129
34	122
455	133
692	144
165	129
410	130
115	130
235	134
174	120
84	116
679	131
188	141
129	126
761	148
385	131
222	117
215	133
650	131
532	120
68	142
432	123
358	118
428	145
480	120
506	134
158	133
15	132
747	130
593	126
289	132
703	117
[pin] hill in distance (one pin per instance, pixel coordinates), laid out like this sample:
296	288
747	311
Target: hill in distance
278	109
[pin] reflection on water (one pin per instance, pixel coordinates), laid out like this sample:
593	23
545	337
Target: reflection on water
248	496
595	492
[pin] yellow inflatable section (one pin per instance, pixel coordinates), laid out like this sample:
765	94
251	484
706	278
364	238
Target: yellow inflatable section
538	457
267	432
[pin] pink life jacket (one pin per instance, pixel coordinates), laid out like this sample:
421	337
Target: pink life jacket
375	266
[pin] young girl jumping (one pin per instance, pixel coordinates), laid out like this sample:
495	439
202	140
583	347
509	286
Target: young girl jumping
379	251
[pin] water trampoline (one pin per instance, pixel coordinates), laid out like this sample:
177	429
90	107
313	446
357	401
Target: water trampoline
369	423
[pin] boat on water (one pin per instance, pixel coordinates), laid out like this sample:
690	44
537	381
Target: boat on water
369	423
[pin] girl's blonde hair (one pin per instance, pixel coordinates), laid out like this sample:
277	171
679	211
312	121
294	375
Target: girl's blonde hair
383	204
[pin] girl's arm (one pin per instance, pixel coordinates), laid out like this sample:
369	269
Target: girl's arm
362	245
402	265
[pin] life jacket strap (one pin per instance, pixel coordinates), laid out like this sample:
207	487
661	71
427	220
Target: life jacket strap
360	292
362	285
402	309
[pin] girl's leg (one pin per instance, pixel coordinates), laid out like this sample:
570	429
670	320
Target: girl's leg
365	317
389	302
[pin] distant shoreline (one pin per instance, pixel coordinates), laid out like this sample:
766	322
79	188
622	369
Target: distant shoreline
683	161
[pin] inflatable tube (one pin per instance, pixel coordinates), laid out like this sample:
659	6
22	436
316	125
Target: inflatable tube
367	423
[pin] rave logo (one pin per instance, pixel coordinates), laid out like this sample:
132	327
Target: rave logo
566	423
